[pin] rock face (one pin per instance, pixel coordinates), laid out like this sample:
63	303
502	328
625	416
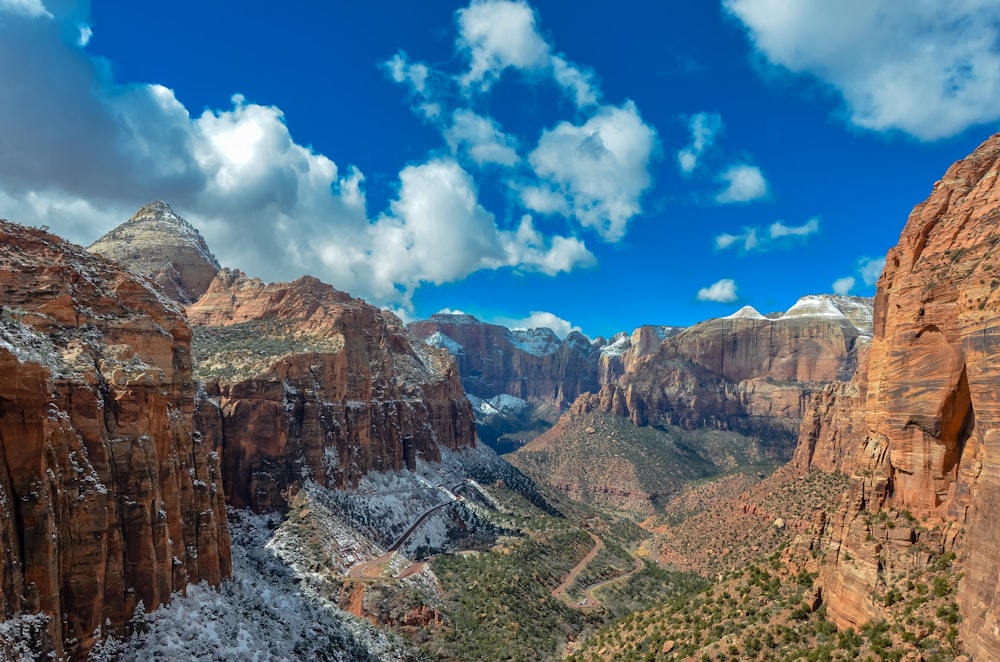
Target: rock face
108	494
159	244
744	372
533	365
924	419
306	381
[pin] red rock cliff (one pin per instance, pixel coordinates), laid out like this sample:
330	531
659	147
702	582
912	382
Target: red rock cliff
307	381
745	372
108	495
927	438
533	365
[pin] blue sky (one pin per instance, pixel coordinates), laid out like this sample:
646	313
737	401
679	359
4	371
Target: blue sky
589	164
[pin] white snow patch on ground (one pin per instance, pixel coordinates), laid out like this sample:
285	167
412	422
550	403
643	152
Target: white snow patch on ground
261	614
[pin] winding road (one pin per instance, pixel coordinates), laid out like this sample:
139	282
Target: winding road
589	600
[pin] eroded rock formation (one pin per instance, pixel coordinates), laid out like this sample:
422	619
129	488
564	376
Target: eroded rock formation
306	381
108	494
744	372
533	365
158	243
924	419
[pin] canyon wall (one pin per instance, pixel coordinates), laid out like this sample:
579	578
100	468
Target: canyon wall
744	372
305	381
923	421
108	494
533	365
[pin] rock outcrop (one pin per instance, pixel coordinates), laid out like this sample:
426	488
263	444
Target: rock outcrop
533	365
159	244
924	418
109	497
306	381
744	372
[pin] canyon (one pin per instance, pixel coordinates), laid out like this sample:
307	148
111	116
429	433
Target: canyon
135	406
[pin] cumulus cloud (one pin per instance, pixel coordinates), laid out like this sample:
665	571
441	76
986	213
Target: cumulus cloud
495	35
868	269
540	319
703	127
593	169
722	291
843	285
264	202
30	8
775	235
743	183
871	269
481	138
929	69
596	171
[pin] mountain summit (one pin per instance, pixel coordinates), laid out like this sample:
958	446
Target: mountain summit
158	243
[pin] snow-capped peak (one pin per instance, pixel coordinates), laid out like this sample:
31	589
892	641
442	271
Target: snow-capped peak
746	313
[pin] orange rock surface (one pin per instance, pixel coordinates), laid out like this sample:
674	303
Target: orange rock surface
924	419
108	494
344	393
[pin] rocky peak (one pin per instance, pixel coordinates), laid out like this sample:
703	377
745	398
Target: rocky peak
161	245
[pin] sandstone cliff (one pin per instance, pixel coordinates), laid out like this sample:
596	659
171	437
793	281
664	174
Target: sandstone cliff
108	494
533	365
159	244
923	419
744	372
306	381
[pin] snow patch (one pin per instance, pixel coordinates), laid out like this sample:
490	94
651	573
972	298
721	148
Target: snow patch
538	342
618	345
438	339
746	313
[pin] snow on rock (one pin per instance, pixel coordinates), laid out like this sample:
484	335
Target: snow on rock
538	342
438	339
618	345
814	306
746	312
262	613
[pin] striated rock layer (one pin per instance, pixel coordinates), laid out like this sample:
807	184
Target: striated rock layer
306	381
744	372
923	422
159	244
108	495
533	365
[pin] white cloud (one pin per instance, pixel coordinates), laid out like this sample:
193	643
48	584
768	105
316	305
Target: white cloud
540	319
417	77
495	35
843	285
868	269
703	127
480	138
779	229
596	171
871	269
722	291
265	203
743	183
30	8
776	235
930	69
450	311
